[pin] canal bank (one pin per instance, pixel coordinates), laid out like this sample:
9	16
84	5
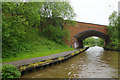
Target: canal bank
33	63
95	62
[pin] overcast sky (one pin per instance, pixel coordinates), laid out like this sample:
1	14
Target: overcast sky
94	11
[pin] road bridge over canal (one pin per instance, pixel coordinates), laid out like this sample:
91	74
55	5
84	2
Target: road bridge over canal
84	30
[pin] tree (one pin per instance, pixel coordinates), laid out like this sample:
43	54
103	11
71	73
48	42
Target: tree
100	42
89	41
57	9
53	15
21	20
113	30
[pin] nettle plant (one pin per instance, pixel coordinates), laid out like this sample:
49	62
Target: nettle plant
10	71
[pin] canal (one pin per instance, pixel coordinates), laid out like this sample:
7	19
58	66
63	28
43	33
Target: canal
93	63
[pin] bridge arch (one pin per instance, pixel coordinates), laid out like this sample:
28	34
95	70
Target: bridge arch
78	38
82	30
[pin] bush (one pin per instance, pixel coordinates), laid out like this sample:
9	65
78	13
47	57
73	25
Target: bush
10	71
54	33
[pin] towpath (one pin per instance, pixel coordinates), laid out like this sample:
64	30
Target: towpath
38	59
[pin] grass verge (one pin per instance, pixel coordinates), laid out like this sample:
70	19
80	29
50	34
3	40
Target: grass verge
39	48
27	55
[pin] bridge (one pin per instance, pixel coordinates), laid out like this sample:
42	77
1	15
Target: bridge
84	30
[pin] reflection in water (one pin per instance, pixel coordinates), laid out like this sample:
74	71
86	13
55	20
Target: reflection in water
97	68
94	63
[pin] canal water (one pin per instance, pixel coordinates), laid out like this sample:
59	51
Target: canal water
93	63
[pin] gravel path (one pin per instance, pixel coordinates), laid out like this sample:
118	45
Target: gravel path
38	59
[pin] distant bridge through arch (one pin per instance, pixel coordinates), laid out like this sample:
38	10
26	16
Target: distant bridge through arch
84	30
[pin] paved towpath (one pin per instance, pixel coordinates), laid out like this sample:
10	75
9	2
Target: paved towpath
38	59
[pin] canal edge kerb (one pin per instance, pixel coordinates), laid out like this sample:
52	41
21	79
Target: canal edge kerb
48	62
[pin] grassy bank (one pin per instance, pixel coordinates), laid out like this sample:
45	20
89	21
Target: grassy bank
37	48
36	45
37	54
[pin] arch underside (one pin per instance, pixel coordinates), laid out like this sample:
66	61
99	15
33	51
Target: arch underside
88	33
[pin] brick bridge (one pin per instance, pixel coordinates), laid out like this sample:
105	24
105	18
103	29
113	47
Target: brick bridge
84	30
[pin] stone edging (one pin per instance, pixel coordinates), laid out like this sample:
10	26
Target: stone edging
52	61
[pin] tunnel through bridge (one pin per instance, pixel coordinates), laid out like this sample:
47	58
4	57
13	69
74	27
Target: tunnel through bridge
78	38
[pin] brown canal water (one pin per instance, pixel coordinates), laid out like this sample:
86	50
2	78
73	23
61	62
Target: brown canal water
93	63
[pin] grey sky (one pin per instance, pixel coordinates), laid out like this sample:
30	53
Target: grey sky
94	11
